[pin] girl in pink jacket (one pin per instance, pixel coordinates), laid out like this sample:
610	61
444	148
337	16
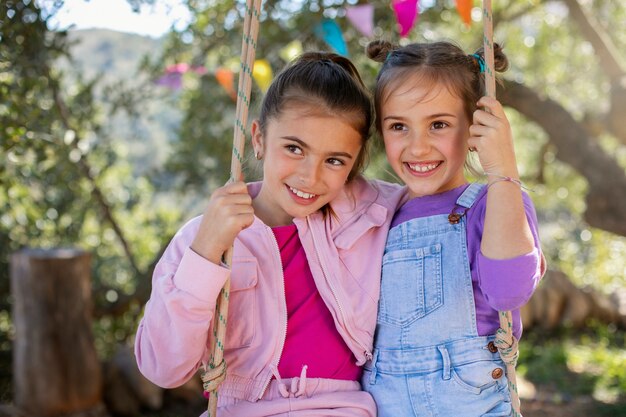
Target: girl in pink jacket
308	243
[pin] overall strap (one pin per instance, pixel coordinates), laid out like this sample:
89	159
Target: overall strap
465	201
470	195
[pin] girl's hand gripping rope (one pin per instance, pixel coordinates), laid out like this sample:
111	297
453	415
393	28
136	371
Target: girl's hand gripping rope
491	137
229	212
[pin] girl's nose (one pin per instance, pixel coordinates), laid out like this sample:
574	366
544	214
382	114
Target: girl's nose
309	174
419	145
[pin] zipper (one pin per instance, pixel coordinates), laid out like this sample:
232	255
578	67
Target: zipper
282	280
368	354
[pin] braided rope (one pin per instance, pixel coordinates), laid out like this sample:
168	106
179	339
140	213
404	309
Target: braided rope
507	346
490	79
505	341
213	376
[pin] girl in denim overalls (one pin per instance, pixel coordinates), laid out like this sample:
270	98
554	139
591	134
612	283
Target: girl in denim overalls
456	253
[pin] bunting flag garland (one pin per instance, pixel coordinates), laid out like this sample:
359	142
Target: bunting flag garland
262	74
464	7
173	81
406	14
173	77
362	18
226	78
330	32
291	50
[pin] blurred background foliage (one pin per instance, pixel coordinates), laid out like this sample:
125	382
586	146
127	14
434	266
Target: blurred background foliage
95	155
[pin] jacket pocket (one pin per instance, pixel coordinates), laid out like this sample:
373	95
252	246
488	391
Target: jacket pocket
241	323
411	286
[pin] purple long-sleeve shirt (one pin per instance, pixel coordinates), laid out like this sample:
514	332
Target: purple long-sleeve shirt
499	284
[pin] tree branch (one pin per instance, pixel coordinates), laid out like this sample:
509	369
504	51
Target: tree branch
606	200
599	39
85	169
139	296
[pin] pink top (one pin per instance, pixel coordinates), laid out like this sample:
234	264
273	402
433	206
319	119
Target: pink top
312	338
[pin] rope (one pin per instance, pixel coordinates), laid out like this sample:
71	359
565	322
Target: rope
216	371
509	352
505	341
490	79
212	378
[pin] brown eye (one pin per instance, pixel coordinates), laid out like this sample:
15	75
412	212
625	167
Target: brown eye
335	161
294	149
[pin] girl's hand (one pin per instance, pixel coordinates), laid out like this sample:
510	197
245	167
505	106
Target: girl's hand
491	138
228	213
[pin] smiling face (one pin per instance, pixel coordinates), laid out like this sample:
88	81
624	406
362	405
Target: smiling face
425	129
307	157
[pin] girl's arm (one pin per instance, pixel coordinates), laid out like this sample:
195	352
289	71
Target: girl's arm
506	231
508	284
510	262
171	341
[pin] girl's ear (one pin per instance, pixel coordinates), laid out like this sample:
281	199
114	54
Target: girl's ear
257	139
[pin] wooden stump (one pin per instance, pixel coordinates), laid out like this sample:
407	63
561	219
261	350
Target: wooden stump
55	367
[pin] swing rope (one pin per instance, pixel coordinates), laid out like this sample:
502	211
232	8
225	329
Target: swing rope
505	341
213	375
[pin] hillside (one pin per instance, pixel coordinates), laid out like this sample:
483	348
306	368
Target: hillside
115	56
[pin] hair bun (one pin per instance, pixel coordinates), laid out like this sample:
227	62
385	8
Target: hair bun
378	50
500	60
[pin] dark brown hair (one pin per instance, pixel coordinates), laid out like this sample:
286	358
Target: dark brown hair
437	62
326	82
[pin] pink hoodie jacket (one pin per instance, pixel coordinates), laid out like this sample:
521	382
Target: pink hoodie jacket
344	251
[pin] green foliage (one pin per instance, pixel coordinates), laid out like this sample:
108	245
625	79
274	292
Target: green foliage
592	363
155	154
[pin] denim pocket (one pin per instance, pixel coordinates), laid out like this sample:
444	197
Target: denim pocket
411	286
477	376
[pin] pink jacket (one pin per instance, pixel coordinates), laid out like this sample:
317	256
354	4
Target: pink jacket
344	250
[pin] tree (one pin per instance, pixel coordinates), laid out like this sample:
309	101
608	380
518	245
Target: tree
564	94
64	179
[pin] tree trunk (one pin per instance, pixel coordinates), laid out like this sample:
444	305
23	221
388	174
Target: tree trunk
606	200
558	302
55	367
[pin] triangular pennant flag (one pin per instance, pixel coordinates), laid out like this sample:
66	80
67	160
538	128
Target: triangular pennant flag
171	80
262	74
179	68
406	14
291	50
226	78
362	18
464	8
330	32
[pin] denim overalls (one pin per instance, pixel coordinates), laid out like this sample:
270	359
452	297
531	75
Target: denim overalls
428	358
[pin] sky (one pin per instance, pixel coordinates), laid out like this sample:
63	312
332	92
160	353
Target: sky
153	20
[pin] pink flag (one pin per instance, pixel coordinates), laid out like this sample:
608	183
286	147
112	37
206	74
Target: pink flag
465	10
406	14
362	18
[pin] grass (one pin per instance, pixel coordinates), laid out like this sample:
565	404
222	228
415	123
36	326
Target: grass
570	364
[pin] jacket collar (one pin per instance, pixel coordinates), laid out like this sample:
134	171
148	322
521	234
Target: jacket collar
355	198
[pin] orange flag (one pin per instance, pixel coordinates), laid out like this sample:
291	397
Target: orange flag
226	78
465	10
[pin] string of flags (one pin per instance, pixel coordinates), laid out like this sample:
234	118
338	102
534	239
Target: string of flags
360	16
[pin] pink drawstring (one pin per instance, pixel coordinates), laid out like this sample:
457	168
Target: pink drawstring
301	382
298	385
282	388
